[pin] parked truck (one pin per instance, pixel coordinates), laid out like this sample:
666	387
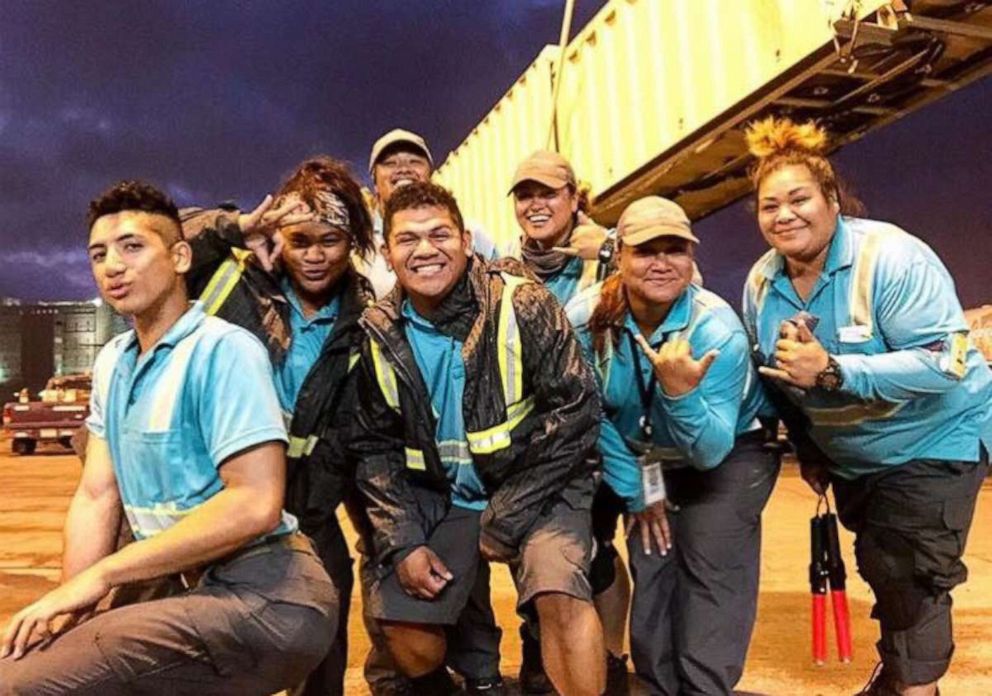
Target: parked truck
60	411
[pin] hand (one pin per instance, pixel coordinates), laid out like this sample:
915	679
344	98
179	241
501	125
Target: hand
677	371
260	228
816	476
73	598
799	357
422	574
586	240
493	550
653	523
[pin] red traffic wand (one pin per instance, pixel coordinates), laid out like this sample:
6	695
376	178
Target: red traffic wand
818	578
837	575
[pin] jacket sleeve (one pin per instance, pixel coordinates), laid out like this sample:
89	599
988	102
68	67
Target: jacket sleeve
211	234
377	445
567	400
923	325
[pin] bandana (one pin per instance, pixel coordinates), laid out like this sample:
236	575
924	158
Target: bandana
327	208
544	263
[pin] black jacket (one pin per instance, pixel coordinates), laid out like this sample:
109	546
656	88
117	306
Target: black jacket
551	448
317	481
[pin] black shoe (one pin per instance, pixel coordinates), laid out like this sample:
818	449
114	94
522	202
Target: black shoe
490	686
617	683
533	679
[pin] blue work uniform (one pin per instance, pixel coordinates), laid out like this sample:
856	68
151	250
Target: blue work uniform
308	336
692	610
172	416
439	358
885	307
696	429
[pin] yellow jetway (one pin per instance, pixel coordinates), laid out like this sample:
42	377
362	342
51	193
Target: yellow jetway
655	94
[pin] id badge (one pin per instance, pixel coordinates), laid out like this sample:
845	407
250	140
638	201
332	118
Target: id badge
652	479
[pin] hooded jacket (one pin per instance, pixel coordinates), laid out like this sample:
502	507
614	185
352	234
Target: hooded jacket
551	443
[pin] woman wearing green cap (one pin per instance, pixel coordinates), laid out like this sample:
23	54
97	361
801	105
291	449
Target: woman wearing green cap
683	449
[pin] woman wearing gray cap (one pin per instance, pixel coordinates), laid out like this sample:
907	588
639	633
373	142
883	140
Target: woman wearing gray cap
683	449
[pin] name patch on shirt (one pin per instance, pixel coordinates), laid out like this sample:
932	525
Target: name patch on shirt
853	334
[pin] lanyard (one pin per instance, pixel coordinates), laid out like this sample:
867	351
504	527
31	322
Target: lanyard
645	391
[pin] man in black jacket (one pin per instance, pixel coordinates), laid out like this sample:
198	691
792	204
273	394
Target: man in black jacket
476	423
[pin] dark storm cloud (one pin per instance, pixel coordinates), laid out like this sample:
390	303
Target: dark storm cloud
218	100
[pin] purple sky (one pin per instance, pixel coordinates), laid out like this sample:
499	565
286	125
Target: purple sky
217	100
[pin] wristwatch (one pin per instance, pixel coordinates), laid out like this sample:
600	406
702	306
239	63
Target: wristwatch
830	379
606	251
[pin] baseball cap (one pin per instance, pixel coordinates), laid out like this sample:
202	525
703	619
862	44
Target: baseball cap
548	168
653	216
398	135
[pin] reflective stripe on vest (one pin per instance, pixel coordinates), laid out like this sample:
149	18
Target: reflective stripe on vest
301	446
511	370
862	279
168	386
223	281
854	414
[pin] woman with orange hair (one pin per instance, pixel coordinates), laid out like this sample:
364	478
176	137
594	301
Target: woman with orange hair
860	334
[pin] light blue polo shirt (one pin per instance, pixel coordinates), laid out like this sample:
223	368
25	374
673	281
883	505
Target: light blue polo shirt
172	416
306	343
696	429
439	358
902	397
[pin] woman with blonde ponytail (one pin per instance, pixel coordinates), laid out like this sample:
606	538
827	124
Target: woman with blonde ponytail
682	448
864	347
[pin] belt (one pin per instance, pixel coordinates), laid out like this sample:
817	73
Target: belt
294	542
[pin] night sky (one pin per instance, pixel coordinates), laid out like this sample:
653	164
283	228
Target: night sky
218	100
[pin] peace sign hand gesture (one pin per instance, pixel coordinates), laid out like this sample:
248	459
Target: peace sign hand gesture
677	371
260	227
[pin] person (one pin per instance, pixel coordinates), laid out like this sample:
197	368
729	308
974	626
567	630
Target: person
306	309
474	433
683	449
568	252
560	244
888	401
186	436
400	157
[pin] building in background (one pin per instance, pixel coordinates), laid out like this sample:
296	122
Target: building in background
40	340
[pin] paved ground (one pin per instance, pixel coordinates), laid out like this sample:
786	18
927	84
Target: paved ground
35	491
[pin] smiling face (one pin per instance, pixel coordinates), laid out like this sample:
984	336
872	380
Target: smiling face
545	214
315	256
399	165
428	252
656	272
137	260
794	215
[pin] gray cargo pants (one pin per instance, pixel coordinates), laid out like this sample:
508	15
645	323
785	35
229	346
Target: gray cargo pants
255	623
693	610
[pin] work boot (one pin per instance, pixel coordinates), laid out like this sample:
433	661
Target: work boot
617	683
436	683
533	679
490	686
879	684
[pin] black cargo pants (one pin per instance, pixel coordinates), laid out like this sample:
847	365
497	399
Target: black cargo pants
911	524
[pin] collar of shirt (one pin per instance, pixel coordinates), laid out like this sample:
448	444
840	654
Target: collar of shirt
676	320
414	317
184	326
328	312
839	255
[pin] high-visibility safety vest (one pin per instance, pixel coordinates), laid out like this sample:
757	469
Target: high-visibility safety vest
511	370
224	280
860	315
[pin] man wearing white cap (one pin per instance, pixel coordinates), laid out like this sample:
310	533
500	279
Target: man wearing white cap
398	158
